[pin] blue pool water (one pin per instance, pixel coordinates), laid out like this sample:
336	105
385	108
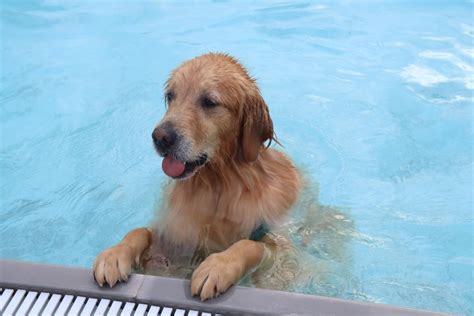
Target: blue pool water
372	99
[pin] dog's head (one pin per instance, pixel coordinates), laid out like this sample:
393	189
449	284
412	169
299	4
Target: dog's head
215	114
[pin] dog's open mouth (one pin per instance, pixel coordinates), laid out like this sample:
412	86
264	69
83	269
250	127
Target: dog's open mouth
178	169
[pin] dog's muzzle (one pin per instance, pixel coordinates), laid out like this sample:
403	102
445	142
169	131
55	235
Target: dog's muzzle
167	142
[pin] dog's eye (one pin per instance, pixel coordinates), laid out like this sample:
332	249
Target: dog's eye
169	96
207	103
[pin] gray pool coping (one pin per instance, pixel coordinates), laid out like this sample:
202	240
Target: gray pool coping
176	293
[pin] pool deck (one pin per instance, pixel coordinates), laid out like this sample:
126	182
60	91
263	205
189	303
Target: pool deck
175	292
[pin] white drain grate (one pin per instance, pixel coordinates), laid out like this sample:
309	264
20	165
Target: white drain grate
21	303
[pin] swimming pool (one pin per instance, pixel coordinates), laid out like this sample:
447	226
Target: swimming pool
373	100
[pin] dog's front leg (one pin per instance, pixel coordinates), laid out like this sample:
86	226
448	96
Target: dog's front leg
221	270
116	263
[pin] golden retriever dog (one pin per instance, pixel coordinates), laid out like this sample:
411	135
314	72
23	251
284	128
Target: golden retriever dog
228	190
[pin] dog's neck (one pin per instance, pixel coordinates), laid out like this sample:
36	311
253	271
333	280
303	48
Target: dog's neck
220	175
218	193
233	194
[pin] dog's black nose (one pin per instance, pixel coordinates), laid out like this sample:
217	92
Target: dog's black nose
164	137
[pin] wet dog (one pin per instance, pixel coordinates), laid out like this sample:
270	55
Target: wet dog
229	187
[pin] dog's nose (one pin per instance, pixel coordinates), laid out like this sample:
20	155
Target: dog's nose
164	137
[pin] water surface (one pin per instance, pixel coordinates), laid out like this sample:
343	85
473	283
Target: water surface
372	99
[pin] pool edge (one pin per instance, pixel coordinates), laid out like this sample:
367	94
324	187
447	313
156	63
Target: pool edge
176	292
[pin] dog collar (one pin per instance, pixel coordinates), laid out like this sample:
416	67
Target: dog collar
259	232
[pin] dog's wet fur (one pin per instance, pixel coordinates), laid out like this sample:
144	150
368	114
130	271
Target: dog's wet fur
215	139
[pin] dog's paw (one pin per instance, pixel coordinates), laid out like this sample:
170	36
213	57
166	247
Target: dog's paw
113	264
215	275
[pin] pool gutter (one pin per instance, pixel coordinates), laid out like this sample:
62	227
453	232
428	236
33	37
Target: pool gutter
175	292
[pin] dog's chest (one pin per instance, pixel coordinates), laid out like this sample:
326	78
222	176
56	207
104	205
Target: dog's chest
216	230
219	221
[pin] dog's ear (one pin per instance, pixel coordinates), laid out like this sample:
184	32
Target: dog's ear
257	126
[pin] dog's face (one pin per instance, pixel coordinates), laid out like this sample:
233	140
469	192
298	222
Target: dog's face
215	113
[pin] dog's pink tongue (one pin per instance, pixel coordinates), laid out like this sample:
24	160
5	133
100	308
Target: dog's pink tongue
172	167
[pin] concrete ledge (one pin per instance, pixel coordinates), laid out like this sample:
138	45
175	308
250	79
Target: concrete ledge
176	293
